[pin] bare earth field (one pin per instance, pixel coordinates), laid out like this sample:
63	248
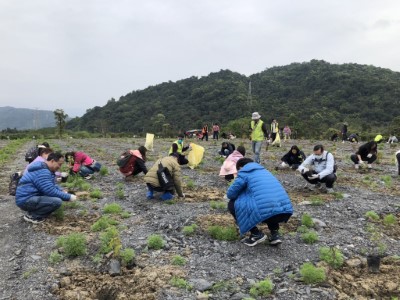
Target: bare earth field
213	269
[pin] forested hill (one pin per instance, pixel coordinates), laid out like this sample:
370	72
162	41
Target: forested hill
312	96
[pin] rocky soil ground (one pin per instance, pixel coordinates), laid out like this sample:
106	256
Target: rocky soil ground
214	269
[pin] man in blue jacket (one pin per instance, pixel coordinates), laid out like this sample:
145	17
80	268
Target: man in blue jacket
37	191
257	196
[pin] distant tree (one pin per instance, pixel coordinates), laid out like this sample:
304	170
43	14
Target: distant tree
60	117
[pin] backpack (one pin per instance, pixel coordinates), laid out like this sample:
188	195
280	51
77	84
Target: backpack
124	159
14	180
165	178
31	154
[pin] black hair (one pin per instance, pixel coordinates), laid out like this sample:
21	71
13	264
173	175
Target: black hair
241	150
46	144
319	147
68	155
224	144
45	151
295	148
55	156
174	147
242	162
143	150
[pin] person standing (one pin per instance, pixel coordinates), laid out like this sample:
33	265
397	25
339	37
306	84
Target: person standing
398	161
344	132
366	153
287	132
274	130
37	193
258	133
215	131
204	131
323	168
256	196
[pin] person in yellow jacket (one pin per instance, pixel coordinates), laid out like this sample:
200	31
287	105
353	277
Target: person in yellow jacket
178	147
153	184
258	131
274	129
378	138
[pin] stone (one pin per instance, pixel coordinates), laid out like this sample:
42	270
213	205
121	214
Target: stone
65	281
115	268
354	262
200	284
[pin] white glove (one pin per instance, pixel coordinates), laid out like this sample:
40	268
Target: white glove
183	195
314	176
283	164
361	162
369	155
73	198
305	170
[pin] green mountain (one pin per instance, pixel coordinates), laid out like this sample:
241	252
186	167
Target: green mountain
25	118
311	97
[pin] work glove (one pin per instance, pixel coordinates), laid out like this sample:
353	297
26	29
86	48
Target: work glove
314	176
73	198
283	164
183	195
369	155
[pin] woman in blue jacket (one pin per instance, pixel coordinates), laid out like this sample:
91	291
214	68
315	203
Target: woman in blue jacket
257	196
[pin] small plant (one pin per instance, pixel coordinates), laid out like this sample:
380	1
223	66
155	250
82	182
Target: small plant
310	237
375	237
332	256
311	274
103	171
110	241
223	233
120	194
302	229
262	288
387	179
127	255
190	184
218	204
307	220
277	271
103	223
315	200
28	273
371	215
97	258
189	230
178	260
71	204
97	194
59	213
55	257
180	283
73	244
112	208
155	242
125	214
389	220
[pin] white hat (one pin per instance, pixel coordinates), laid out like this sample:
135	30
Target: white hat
41	146
255	116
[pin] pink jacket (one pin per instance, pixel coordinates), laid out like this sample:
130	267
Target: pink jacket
81	158
229	165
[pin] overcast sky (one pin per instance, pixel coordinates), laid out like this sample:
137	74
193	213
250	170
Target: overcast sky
77	54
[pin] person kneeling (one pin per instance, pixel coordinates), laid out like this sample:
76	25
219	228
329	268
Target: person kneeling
257	196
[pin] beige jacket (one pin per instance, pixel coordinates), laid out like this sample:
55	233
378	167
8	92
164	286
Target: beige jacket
171	163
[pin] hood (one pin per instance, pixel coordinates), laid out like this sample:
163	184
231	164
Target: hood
137	153
38	165
251	167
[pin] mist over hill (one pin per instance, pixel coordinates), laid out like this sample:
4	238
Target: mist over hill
25	118
308	96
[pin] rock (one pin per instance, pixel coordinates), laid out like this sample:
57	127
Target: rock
115	268
391	286
65	281
305	203
54	288
65	272
354	262
319	223
239	296
200	284
202	296
36	257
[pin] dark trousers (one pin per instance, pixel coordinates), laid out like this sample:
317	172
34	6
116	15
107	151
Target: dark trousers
398	161
328	180
182	160
205	135
370	160
272	222
273	136
229	177
215	135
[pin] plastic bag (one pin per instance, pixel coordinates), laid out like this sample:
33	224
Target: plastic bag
149	141
195	156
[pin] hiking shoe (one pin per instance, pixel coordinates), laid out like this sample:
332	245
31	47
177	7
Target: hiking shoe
87	177
149	195
167	196
275	239
32	220
255	239
356	166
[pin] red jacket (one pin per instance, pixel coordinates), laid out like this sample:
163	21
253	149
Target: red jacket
136	158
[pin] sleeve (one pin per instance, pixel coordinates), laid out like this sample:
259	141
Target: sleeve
45	184
236	188
177	179
330	163
141	165
308	161
285	157
265	130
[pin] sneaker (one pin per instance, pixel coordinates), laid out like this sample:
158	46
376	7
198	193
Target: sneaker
330	190
275	238
255	239
356	166
87	177
167	196
369	166
150	195
32	220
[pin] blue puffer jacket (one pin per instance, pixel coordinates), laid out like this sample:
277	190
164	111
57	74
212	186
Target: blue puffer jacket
38	181
259	196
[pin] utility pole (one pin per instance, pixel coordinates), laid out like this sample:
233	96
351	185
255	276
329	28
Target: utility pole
249	98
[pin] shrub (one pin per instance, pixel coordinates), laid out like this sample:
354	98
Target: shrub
180	283
189	230
155	241
97	194
223	233
125	214
127	255
311	274
112	208
55	257
120	194
307	220
103	223
59	213
110	241
332	256
178	260
371	215
73	244
103	171
310	237
263	288
389	220
218	204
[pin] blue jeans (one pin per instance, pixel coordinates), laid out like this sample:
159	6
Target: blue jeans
40	207
84	171
256	147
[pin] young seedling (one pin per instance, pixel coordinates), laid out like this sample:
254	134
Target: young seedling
371	215
155	242
112	208
180	283
127	255
332	256
223	233
73	244
311	274
178	260
262	288
189	230
310	237
307	220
